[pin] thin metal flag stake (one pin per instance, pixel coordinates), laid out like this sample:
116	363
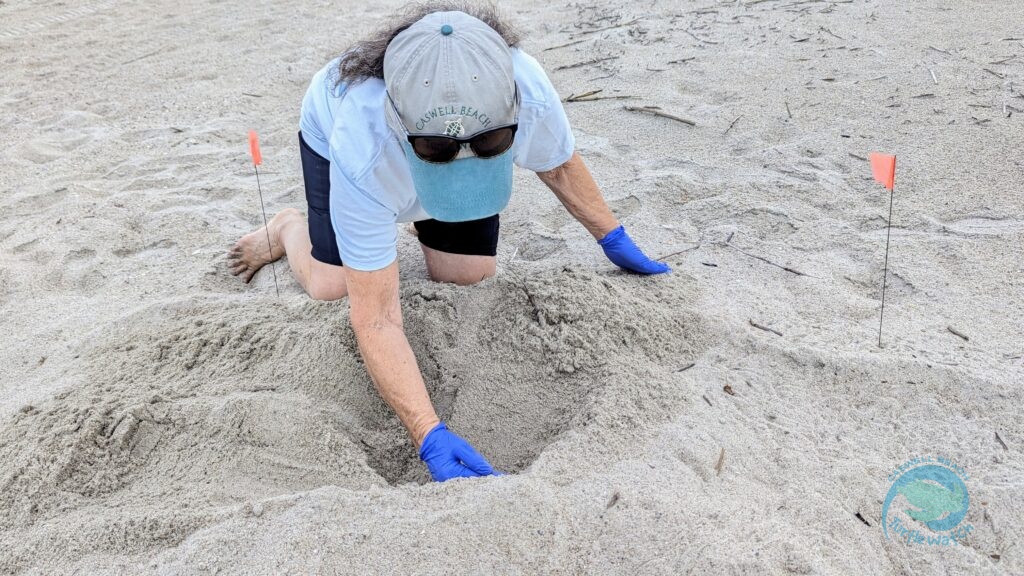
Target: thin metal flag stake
257	159
883	167
885	269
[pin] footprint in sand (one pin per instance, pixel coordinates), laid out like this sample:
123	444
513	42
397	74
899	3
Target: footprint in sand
778	223
133	249
79	254
36	203
625	207
538	247
982	226
41	151
62	134
33	250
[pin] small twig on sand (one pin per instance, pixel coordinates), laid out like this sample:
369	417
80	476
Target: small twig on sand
574	97
681	60
1001	443
146	55
934	79
767	261
593	95
731	124
587	63
862	519
602	98
765	328
704	396
958	333
612	501
655	110
633	21
699	39
831	33
678	253
788	111
994	73
857	156
720	463
687	367
564	45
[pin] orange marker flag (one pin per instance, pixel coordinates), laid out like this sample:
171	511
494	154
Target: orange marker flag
257	159
254	148
884	168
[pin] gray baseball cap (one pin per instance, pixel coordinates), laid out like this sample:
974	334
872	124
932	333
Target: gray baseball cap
451	74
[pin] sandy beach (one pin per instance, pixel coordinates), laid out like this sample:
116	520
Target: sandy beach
159	416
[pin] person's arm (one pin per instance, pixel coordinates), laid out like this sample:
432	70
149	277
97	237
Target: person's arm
576	189
578	192
376	316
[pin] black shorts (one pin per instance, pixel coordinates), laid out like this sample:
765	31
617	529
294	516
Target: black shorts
474	238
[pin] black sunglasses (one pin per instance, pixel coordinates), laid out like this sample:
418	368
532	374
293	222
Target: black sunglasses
440	148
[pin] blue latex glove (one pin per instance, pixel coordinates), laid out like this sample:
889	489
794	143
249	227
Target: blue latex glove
620	249
448	456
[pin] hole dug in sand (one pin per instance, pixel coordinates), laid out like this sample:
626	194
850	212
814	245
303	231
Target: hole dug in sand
199	407
515	362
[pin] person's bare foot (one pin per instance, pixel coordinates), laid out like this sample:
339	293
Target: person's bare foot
250	253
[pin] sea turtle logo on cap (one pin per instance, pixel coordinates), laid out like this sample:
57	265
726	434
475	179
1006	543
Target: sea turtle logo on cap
935	495
454	128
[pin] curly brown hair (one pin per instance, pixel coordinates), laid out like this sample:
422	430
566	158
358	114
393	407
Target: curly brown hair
365	59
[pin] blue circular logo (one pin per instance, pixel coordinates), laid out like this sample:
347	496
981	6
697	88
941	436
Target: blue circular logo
936	497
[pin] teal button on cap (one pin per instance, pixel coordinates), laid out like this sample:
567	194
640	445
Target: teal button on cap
446	29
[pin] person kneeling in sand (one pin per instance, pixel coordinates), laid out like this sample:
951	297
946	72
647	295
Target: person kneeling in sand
422	124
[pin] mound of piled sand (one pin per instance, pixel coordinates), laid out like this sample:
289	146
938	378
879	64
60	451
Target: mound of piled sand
190	412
